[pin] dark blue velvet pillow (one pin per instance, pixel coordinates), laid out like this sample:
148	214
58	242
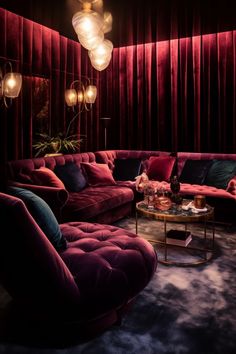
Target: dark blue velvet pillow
42	214
72	176
220	173
195	171
126	169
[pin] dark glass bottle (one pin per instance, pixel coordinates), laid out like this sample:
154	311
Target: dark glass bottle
174	185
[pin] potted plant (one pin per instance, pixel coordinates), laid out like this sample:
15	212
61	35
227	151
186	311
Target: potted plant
57	144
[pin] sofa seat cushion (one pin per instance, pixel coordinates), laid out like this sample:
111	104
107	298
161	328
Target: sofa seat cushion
93	201
110	265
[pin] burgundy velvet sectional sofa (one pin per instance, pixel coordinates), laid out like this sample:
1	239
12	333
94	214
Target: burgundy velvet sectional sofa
107	203
94	203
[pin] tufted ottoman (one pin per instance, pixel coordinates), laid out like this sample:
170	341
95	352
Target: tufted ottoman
110	265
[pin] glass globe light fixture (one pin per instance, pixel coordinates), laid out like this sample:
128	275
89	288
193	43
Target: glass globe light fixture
107	22
91	42
104	49
12	84
100	63
71	97
90	94
87	23
100	56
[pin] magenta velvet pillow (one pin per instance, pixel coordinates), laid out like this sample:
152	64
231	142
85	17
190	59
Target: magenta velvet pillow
98	174
160	167
46	177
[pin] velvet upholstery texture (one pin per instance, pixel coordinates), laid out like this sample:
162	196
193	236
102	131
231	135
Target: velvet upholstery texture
101	271
95	200
98	174
107	207
220	173
160	168
126	169
114	262
42	214
195	171
72	176
30	264
46	177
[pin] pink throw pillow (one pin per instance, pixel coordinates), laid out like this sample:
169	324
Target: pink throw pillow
46	177
160	167
98	174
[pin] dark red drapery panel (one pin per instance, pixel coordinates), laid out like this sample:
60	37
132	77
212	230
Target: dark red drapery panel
39	52
176	95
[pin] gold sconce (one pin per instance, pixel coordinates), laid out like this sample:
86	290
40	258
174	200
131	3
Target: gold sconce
10	84
81	94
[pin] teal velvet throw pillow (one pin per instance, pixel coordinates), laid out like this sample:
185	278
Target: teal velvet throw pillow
220	173
42	214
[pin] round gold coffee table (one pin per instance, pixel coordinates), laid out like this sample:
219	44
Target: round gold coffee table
177	215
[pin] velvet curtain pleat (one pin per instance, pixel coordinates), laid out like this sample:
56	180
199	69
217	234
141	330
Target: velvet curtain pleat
175	95
40	53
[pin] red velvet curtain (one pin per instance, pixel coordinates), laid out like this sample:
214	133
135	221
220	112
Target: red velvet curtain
178	94
39	52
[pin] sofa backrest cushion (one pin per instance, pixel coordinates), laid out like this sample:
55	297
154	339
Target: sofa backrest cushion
195	171
160	168
109	156
98	174
126	169
46	177
26	166
72	176
220	173
42	214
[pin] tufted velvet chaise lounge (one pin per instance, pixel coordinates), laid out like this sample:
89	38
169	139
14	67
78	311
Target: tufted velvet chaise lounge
90	283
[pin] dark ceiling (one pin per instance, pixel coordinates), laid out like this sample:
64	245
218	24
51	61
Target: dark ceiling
136	21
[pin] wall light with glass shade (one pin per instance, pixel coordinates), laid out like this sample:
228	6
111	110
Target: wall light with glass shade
10	84
90	27
81	94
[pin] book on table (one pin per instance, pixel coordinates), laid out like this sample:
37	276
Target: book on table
178	237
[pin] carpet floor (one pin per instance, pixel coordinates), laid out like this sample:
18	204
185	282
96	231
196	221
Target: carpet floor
182	310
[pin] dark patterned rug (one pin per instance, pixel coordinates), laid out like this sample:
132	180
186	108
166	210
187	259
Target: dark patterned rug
182	310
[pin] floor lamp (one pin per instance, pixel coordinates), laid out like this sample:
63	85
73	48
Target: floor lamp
105	121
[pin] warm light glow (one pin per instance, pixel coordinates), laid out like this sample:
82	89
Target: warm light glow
107	22
100	63
90	94
91	42
102	50
80	96
81	92
100	57
90	27
87	23
71	97
12	83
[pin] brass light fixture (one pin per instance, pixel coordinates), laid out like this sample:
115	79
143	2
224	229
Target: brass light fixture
10	84
90	27
82	93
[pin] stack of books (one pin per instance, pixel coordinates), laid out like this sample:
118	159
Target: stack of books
178	237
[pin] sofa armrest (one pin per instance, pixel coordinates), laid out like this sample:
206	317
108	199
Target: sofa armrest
55	197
